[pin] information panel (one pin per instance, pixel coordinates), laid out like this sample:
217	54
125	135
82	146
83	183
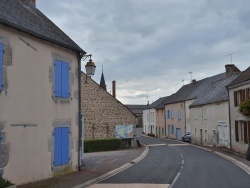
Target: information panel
124	131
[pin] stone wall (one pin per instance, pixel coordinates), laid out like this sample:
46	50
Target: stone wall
101	111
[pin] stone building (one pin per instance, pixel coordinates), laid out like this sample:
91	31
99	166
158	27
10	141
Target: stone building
102	111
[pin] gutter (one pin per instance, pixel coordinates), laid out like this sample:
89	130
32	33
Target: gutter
80	135
229	114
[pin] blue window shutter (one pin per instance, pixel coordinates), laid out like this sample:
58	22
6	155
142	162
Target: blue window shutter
57	147
65	145
58	79
172	114
65	80
180	114
1	66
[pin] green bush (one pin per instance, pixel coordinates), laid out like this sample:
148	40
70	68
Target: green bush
244	108
5	183
105	144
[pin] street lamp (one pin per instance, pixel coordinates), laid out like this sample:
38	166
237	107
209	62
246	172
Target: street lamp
90	66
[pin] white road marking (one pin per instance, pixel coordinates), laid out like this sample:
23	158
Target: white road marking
178	144
134	185
157	145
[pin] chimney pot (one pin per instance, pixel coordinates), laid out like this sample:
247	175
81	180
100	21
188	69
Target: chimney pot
32	2
231	69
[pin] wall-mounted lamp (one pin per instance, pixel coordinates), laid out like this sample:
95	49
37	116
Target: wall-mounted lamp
90	66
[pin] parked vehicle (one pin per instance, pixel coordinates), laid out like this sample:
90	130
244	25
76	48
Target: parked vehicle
187	137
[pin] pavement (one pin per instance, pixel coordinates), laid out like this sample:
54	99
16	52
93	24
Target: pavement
101	165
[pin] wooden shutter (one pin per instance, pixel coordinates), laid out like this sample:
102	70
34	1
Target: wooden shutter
236	132
235	98
65	145
1	66
58	78
172	114
65	80
247	93
57	147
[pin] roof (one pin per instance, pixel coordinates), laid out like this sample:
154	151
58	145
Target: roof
158	103
245	75
192	90
21	15
215	92
136	109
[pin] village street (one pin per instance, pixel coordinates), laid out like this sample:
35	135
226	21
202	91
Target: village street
174	164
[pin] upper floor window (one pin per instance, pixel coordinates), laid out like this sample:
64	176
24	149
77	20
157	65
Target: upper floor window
61	87
172	114
241	95
1	66
179	115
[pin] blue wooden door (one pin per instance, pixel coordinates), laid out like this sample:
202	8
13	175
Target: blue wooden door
178	133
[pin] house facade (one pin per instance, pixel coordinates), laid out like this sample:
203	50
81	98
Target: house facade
175	120
160	122
39	86
102	111
210	114
138	111
239	91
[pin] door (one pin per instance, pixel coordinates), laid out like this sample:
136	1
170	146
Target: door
201	137
178	133
168	131
223	136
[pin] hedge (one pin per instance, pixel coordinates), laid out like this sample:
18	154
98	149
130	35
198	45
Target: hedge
105	144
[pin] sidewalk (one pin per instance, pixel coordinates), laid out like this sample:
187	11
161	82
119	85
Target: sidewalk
96	164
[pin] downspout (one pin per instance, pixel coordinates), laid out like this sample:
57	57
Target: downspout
185	117
229	114
80	135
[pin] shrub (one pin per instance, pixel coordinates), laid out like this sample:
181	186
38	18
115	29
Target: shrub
105	144
244	108
5	183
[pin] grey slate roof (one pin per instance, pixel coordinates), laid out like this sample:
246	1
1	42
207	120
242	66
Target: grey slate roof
215	92
137	109
157	103
25	17
192	90
245	75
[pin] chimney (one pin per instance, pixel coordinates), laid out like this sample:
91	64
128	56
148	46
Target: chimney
231	69
194	80
113	89
32	2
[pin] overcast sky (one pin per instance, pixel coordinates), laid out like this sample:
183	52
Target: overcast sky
150	46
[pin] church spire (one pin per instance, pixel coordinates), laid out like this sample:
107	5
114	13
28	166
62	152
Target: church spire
102	82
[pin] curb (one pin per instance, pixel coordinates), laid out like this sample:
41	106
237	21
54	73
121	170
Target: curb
115	171
236	162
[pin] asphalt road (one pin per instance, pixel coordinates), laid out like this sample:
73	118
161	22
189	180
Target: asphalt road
181	165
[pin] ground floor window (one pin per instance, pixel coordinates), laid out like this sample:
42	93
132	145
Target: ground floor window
242	131
61	146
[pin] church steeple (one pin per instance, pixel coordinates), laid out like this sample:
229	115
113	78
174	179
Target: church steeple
102	82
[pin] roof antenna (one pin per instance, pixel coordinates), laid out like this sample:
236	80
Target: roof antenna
147	101
230	56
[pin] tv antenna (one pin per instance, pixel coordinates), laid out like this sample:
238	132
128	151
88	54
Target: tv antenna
230	56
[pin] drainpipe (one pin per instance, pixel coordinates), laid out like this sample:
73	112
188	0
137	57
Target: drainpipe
185	117
230	134
80	135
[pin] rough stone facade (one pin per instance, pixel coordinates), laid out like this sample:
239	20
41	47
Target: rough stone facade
101	111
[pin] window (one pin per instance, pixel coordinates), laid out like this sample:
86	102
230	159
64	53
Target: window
168	114
242	131
1	66
162	118
179	115
61	87
172	129
61	146
172	114
205	135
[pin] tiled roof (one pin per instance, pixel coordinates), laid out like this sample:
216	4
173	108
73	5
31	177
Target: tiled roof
23	16
215	92
245	75
137	109
192	90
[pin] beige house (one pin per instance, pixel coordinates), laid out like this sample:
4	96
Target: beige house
102	111
209	115
160	122
39	95
239	91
